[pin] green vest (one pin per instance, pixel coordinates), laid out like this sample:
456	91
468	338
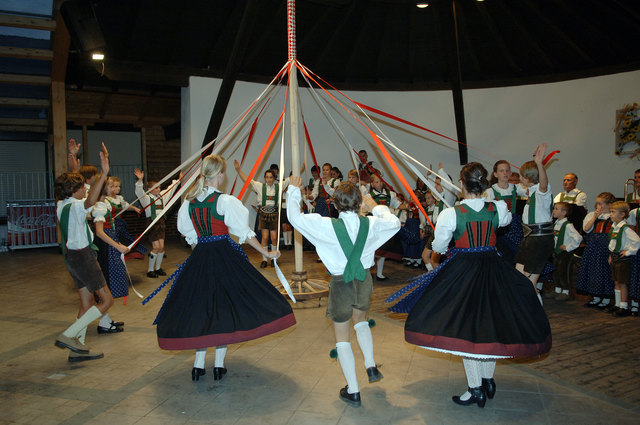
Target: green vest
509	199
382	198
354	268
617	235
569	199
559	234
154	207
266	198
532	208
476	228
64	229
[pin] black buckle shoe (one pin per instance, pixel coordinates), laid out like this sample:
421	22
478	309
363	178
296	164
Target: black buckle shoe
161	272
118	324
263	265
152	274
352	399
489	387
109	330
477	396
218	373
196	373
374	374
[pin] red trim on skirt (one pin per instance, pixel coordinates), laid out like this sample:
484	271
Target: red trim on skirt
489	348
205	341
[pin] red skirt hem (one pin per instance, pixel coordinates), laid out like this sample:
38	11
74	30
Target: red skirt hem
488	348
205	341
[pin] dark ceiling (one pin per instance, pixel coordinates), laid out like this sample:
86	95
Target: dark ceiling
353	44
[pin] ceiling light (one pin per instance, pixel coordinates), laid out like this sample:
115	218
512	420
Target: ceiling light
422	5
97	56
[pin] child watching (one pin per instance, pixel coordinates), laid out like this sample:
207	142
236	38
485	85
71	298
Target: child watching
623	244
566	239
347	246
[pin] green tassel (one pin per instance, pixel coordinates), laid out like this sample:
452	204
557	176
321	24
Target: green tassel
333	353
372	323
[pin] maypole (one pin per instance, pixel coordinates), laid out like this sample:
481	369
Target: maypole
302	287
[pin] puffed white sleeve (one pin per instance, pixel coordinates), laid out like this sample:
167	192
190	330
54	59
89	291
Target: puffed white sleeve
581	199
185	225
236	217
488	194
139	190
633	241
99	212
445	227
504	214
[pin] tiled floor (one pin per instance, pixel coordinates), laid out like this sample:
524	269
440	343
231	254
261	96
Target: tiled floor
287	378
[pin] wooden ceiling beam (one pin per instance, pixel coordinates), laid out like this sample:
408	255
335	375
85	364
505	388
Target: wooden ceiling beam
24	128
27	122
24	53
28	80
24	103
27	22
120	119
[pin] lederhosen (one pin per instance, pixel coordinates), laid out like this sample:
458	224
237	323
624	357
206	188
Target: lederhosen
82	264
537	245
268	213
620	265
354	287
158	229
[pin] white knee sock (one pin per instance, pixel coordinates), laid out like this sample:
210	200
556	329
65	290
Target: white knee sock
624	305
365	339
487	368
558	290
105	320
474	376
152	262
348	364
539	285
159	258
617	296
82	335
380	266
74	330
220	353
634	305
201	353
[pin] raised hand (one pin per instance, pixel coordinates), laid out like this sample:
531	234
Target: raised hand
138	173
104	159
236	164
538	153
295	181
73	147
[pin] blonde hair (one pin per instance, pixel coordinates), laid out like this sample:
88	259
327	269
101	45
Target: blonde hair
353	172
212	165
621	206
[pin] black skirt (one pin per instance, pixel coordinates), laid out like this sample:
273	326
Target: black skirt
219	298
476	304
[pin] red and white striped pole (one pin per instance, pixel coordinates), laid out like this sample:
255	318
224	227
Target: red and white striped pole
293	113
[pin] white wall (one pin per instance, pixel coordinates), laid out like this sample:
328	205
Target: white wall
124	146
575	117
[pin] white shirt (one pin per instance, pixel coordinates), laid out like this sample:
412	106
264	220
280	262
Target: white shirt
447	221
236	217
632	220
77	230
572	238
319	231
100	211
271	191
119	200
165	196
544	201
630	240
588	218
581	197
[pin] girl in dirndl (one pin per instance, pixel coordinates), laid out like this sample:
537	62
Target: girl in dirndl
118	204
509	237
594	275
217	297
475	304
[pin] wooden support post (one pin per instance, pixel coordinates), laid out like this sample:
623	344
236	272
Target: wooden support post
59	120
85	144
